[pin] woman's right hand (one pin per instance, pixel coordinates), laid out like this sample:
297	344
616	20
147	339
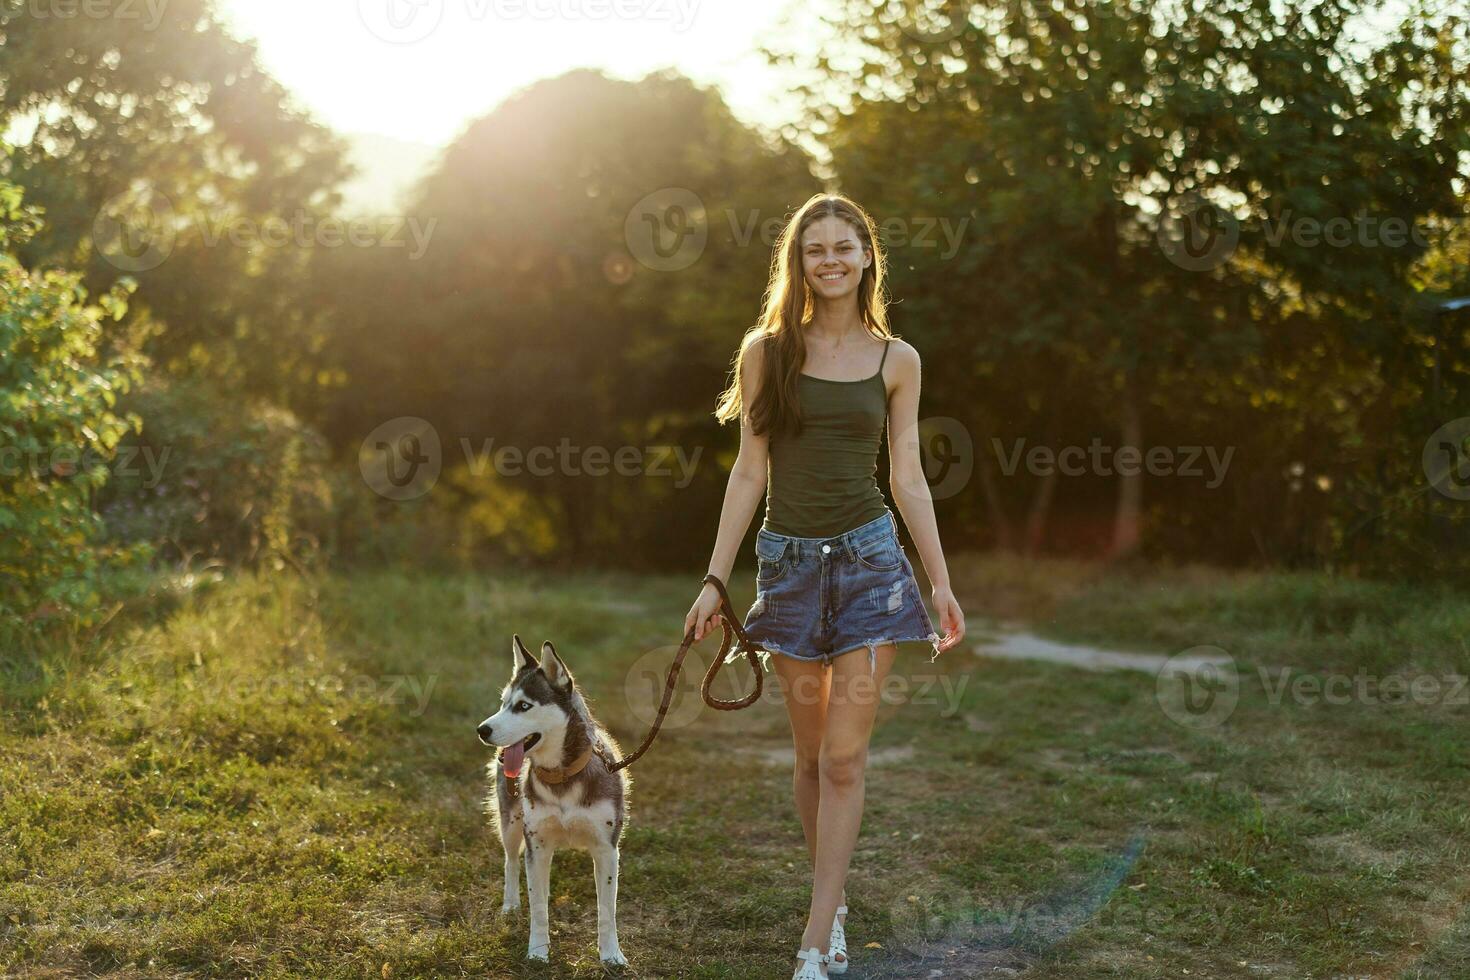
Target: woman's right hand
704	615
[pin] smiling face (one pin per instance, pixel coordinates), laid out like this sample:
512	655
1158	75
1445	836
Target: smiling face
833	258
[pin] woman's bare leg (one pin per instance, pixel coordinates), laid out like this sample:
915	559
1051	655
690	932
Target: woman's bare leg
852	704
804	688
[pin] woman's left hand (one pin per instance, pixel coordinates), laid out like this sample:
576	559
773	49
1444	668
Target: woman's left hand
951	618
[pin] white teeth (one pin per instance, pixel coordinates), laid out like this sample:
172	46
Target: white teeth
834	275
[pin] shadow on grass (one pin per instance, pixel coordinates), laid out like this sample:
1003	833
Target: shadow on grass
946	931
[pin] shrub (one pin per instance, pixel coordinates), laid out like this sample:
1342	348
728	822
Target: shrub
58	431
218	476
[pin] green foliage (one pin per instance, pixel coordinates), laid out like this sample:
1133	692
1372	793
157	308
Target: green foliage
1027	149
212	476
529	323
160	148
1060	135
58	433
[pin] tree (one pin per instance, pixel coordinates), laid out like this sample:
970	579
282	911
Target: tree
162	150
1082	137
598	249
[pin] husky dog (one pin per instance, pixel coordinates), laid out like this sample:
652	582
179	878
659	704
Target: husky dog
565	798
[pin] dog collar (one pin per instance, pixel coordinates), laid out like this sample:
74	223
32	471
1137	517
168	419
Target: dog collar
560	774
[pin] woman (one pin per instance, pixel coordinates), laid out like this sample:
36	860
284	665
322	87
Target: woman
815	382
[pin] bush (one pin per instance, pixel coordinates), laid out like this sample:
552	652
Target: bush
369	531
213	476
58	432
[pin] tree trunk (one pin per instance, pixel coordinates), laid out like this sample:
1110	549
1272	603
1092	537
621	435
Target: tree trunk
1004	539
1130	487
1040	509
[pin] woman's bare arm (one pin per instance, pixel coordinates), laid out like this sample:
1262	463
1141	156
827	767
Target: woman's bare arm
911	490
743	492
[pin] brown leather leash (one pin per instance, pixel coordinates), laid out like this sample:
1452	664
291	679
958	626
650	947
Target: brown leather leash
730	623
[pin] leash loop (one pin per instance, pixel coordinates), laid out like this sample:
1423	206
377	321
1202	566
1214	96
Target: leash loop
731	628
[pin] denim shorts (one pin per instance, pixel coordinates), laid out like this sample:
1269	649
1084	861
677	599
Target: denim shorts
818	598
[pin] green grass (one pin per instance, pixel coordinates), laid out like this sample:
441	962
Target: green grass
1309	620
271	777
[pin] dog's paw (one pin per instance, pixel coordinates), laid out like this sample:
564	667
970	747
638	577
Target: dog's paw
509	907
541	954
614	958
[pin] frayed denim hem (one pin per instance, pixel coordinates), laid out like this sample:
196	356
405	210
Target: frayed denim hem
873	645
763	653
765	650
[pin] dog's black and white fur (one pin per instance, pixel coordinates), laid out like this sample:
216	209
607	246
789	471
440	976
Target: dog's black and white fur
543	707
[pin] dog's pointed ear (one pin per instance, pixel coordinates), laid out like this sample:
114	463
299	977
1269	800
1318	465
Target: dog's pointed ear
551	665
520	656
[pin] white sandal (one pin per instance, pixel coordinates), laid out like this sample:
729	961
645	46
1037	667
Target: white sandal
808	970
837	944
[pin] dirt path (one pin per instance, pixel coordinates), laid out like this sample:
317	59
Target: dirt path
1021	645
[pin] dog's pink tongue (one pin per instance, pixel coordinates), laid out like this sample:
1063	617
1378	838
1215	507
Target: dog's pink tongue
511	758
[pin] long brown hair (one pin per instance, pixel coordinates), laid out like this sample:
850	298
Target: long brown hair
788	306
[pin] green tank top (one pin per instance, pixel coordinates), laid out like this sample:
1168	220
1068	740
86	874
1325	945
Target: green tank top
824	481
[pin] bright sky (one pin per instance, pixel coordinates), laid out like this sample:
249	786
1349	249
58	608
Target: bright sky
421	69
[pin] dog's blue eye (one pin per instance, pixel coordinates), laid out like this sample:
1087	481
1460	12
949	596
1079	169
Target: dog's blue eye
523	706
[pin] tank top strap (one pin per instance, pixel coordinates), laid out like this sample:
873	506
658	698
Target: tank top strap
885	355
